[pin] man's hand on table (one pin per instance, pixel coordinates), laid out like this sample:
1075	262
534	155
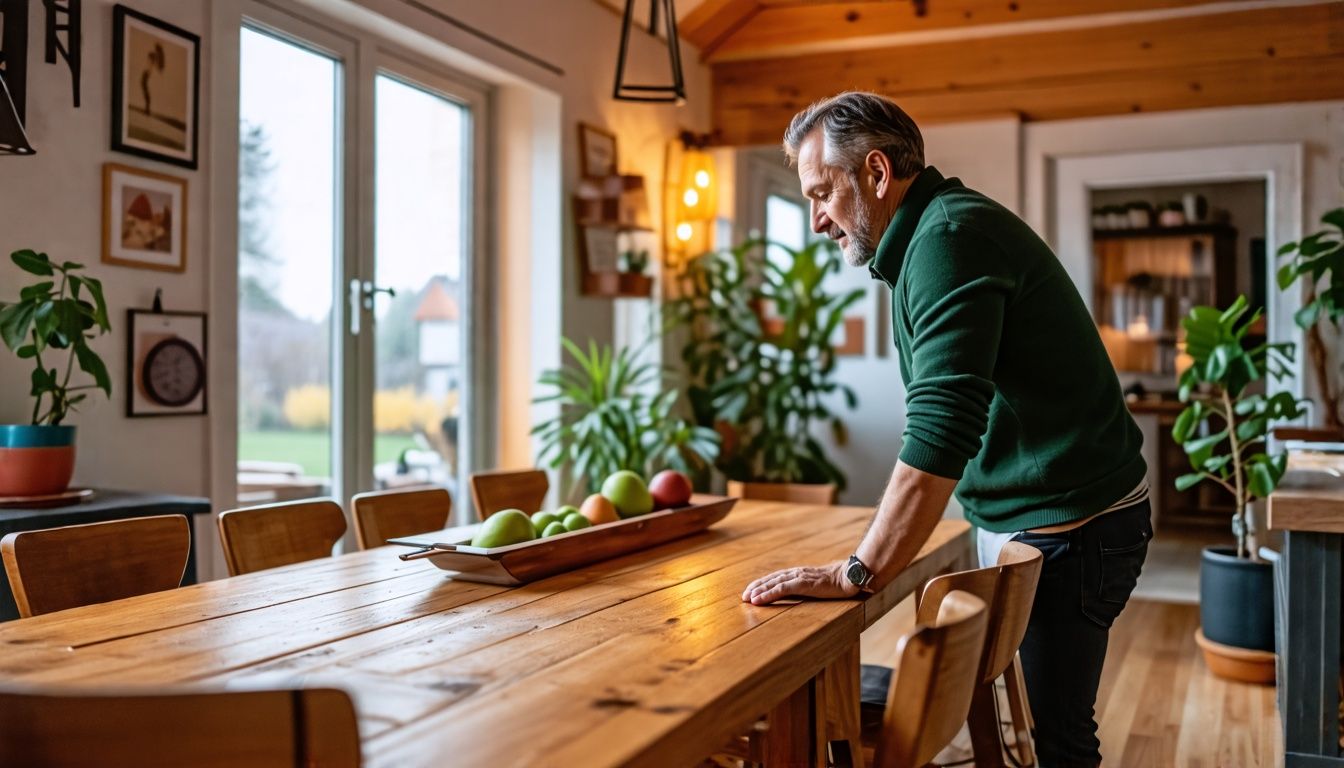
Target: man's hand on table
807	581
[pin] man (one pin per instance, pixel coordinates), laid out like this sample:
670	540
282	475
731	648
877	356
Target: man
1010	401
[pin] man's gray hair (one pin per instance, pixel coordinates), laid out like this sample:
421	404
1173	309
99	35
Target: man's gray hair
855	123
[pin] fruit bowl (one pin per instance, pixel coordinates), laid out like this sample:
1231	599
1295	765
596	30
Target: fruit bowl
517	564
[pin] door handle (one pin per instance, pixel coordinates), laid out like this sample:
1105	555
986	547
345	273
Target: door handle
362	293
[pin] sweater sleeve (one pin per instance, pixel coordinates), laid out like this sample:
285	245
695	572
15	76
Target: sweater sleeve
957	289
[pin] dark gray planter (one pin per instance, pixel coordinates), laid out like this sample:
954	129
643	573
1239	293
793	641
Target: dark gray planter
1236	599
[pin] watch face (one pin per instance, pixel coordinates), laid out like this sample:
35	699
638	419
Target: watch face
856	573
173	373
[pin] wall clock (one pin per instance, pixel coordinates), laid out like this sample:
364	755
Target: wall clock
166	363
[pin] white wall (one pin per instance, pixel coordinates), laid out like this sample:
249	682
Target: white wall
52	202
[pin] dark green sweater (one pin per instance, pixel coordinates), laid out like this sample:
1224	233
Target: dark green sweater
1008	387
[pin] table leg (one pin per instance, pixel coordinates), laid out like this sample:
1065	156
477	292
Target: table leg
793	739
1309	692
839	689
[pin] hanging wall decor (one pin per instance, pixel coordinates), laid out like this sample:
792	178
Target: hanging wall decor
13	77
155	88
144	219
165	362
674	92
65	17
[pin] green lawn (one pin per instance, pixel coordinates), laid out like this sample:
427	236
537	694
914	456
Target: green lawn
312	450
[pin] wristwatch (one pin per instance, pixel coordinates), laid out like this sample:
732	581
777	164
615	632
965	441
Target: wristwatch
858	574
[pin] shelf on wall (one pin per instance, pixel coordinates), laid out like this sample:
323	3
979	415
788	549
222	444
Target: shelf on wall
1185	230
617	285
613	225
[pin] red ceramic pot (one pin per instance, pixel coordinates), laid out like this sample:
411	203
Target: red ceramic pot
36	460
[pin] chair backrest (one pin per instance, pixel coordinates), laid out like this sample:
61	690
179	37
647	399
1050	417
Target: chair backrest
523	489
272	535
796	493
66	727
59	568
1008	588
383	515
935	676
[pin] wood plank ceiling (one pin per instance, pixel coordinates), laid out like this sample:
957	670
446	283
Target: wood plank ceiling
946	60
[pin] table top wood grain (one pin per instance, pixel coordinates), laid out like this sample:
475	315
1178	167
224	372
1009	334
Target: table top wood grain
650	658
1311	494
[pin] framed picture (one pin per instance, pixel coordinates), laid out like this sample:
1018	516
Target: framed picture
600	249
156	101
597	152
165	363
144	219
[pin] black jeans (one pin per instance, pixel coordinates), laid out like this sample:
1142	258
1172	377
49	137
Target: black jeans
1086	579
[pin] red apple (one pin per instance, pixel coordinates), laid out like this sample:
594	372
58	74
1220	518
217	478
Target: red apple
670	489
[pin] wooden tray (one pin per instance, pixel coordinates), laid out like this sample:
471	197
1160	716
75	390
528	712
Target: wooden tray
517	564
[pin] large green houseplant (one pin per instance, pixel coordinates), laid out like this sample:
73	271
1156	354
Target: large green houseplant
1317	262
760	356
51	323
617	412
1224	430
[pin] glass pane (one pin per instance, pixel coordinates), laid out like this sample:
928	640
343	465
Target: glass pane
421	161
287	254
786	224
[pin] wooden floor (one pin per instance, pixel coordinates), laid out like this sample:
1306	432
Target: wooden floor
1158	704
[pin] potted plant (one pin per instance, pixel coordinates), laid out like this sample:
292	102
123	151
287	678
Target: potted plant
760	358
1317	261
51	324
1224	429
610	421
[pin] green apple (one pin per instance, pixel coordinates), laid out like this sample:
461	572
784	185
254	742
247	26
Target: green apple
542	519
566	511
509	526
554	529
628	494
576	521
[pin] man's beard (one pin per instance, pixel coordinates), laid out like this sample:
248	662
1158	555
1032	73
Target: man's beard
860	250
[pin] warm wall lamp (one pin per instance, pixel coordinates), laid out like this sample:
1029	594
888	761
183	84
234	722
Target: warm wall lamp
675	92
690	197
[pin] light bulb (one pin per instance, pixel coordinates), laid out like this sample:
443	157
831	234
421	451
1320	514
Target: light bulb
683	231
690	198
702	179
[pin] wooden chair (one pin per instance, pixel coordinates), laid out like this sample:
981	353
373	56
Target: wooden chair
272	535
64	727
59	568
1008	589
935	679
383	515
796	493
523	489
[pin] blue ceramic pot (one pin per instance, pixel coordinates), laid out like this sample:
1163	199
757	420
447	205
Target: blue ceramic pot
35	460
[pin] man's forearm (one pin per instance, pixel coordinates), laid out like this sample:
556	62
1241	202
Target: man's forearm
910	509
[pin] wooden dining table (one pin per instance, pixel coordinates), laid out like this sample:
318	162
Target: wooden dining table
651	658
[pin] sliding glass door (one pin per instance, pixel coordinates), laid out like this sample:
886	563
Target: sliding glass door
358	193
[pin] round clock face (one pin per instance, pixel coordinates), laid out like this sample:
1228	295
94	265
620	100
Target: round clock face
173	373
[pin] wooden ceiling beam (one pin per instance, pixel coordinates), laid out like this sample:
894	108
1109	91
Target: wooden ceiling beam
1293	53
784	24
711	22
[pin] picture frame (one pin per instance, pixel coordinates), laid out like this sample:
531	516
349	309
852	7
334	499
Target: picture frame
144	219
601	250
166	363
156	94
597	152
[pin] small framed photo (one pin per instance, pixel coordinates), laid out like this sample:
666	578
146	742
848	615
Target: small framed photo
156	78
600	249
165	363
597	152
144	219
